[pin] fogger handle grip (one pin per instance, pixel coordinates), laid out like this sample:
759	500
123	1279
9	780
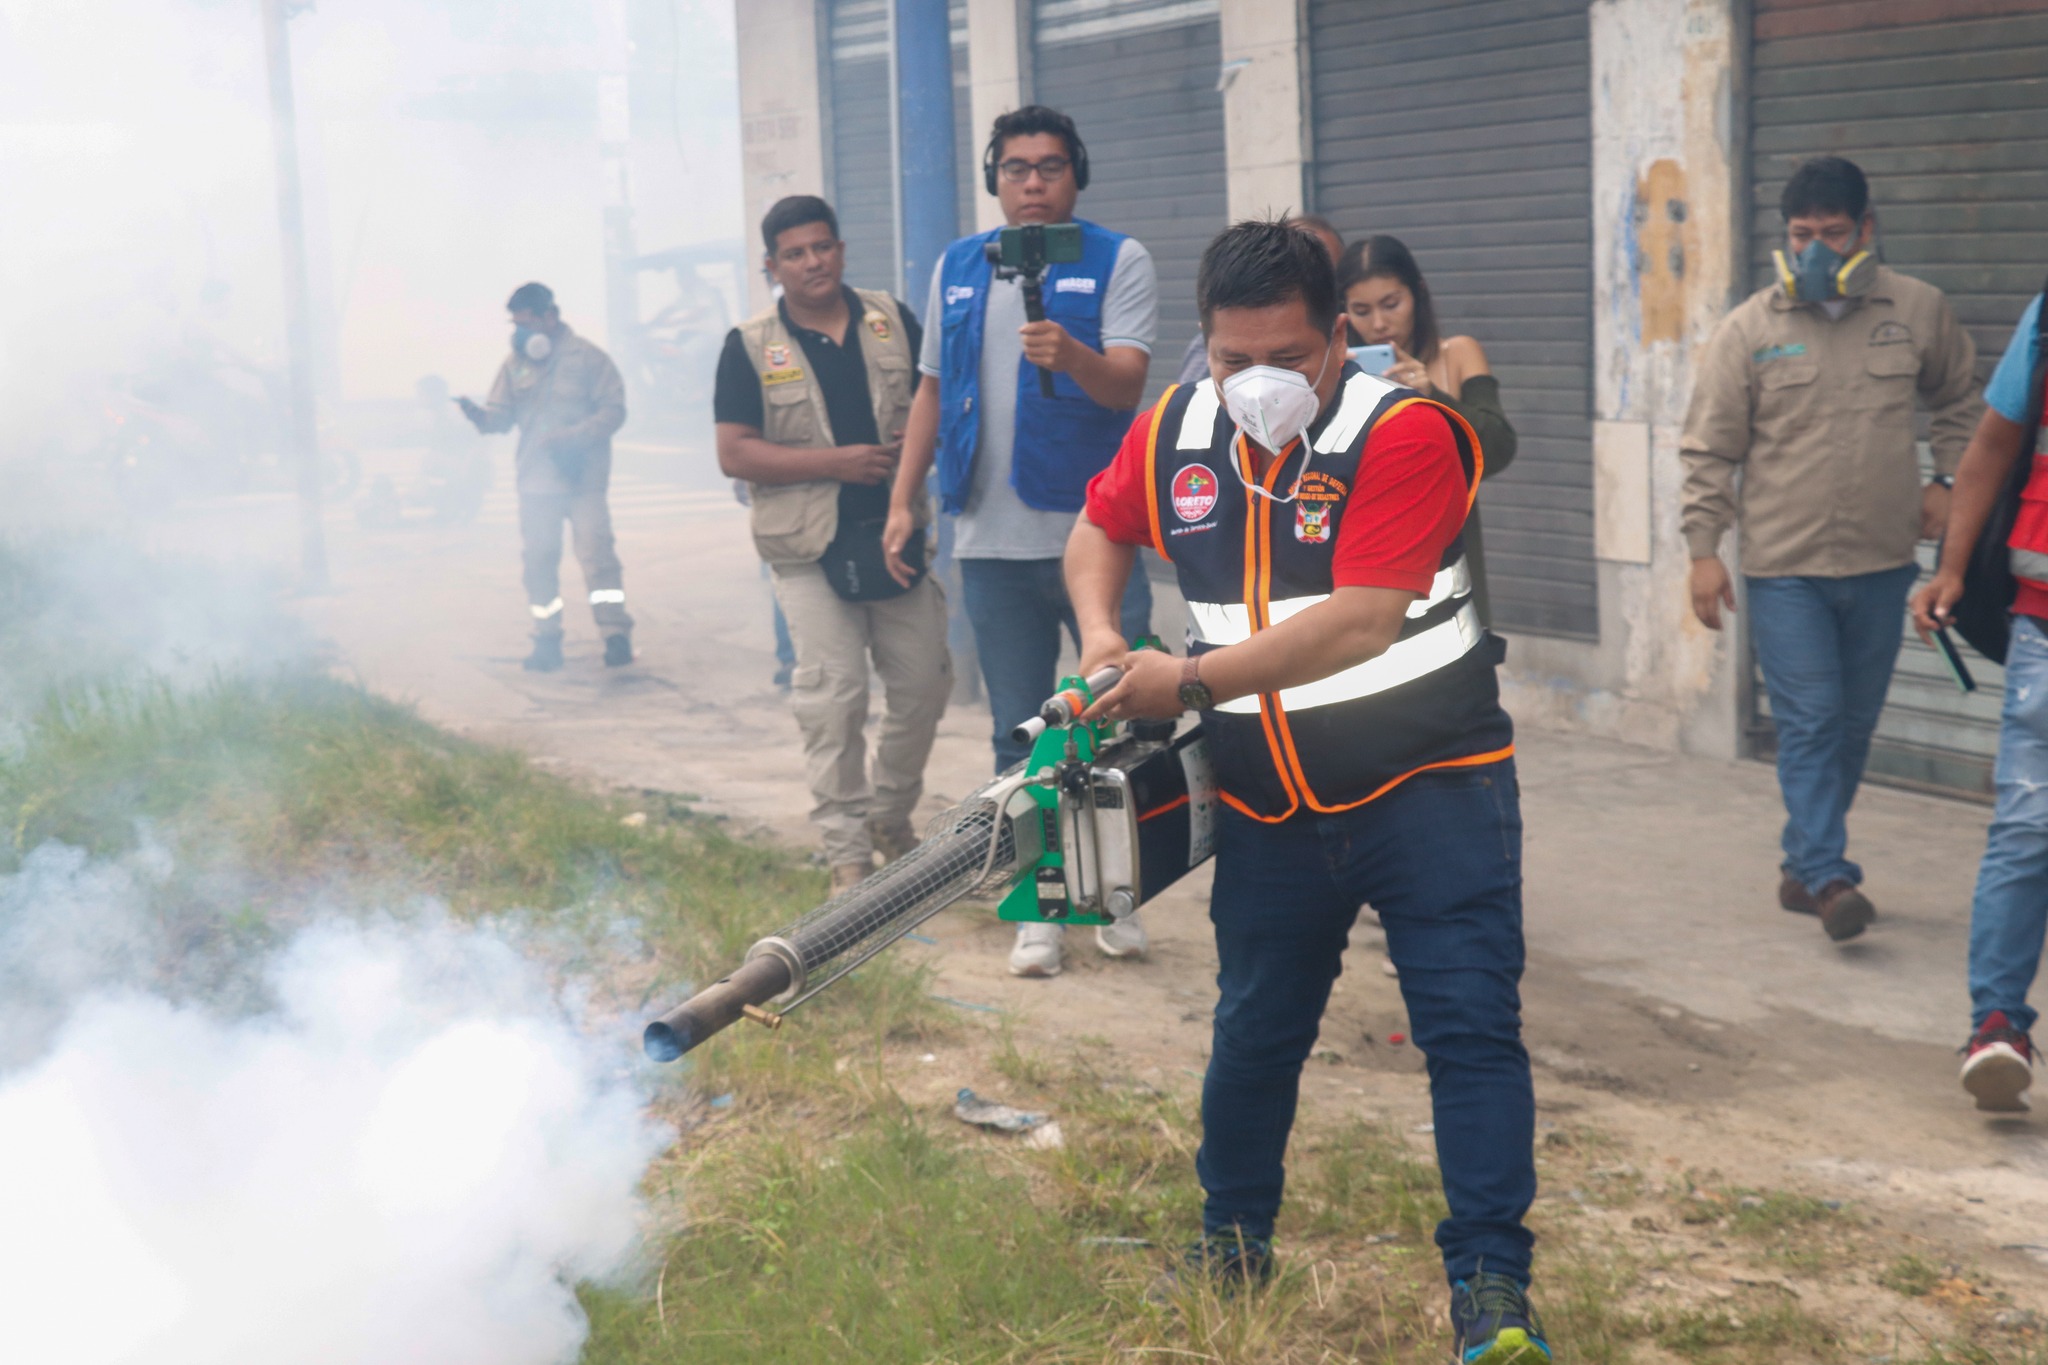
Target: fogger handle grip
715	1007
1034	311
1063	708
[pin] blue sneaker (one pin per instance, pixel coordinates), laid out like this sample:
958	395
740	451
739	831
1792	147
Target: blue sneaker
1495	1324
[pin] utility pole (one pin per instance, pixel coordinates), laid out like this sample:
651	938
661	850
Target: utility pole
304	432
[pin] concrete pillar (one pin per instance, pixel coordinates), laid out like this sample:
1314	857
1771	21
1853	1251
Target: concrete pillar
1265	118
782	121
998	80
1665	253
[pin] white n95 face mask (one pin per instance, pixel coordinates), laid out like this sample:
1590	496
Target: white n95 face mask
1271	405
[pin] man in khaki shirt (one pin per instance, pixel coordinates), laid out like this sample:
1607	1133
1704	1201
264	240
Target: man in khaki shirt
1807	389
567	399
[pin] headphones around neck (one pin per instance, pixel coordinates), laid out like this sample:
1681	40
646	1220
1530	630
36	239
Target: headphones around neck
988	160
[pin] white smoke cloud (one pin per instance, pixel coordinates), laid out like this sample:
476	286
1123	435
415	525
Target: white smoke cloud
406	1156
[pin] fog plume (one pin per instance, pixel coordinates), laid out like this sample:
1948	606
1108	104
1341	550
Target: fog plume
405	1152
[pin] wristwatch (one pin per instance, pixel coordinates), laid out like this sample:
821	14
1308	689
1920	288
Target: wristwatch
1945	480
1194	693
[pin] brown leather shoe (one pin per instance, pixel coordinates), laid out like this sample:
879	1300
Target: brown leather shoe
1844	910
1793	896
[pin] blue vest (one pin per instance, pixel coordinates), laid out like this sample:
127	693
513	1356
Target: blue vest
1062	441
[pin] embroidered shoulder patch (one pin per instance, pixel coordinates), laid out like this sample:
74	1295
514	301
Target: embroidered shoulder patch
1770	353
788	376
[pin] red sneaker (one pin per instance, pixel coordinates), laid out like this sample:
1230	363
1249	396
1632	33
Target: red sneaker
1999	1066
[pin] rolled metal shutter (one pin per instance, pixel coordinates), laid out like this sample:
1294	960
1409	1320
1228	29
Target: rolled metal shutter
1139	78
1945	115
966	141
1464	129
862	143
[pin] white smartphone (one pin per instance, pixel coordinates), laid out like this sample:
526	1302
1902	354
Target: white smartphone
1374	360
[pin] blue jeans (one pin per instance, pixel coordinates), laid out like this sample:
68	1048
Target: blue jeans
1826	647
1018	608
2010	909
1440	858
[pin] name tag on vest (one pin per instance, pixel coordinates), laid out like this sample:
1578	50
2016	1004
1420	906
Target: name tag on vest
1074	284
788	376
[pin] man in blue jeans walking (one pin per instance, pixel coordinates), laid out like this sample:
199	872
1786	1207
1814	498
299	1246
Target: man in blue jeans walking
1806	391
2009	914
1014	461
1313	515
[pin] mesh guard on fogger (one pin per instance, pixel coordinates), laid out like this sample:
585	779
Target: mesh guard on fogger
964	849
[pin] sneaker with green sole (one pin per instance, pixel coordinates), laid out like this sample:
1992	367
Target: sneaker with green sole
1495	1324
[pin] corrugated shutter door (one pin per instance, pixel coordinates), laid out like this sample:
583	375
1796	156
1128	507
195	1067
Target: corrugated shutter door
1464	129
1946	117
966	142
1138	77
863	170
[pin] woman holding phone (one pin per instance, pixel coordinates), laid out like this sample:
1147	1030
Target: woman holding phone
1388	304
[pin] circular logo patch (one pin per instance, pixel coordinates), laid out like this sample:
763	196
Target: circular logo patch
1194	492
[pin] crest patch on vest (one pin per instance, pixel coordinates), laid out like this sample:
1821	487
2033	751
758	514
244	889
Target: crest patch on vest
1890	334
776	354
788	376
879	325
1194	492
1312	521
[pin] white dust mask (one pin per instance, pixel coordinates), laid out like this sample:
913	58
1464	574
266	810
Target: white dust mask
1272	405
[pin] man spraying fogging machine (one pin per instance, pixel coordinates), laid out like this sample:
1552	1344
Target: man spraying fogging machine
1352	749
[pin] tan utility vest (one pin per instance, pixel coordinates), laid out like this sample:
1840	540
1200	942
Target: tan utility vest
793	523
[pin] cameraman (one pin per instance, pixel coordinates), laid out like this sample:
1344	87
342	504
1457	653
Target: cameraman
1014	464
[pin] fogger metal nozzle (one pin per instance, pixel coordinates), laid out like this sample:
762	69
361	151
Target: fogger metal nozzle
1063	708
715	1007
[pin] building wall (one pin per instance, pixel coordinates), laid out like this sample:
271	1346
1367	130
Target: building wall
782	135
1265	131
1666	130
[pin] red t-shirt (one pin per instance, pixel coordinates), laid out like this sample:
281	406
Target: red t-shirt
1392	536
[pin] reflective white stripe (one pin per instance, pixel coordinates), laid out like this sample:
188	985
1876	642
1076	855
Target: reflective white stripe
2029	564
606	597
1229	623
1198	421
541	613
1439	646
1362	393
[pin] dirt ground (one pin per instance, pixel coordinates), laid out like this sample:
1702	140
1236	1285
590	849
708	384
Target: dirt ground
1669	1003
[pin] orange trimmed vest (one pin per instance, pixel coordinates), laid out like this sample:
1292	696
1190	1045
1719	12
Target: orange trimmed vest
1245	562
2028	543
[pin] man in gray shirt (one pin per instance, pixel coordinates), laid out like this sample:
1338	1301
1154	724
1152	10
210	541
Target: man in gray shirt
1014	461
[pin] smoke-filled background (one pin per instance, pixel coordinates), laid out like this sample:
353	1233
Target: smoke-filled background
450	150
263	1097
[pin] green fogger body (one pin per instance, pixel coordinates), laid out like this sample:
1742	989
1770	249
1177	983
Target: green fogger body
1098	820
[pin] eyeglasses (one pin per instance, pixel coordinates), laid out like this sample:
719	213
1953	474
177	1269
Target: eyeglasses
1052	170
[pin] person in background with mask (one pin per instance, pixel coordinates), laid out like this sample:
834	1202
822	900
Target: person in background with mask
566	398
1014	462
1806	390
1388	304
1347	692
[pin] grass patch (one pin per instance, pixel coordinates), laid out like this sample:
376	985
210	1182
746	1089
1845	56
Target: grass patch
1911	1276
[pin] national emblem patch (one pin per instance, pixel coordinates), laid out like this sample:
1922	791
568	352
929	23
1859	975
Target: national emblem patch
776	354
1312	522
879	325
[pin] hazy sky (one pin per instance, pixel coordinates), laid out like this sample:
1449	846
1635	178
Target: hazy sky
450	153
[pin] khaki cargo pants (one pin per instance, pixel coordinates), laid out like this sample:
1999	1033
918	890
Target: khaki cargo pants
541	517
835	640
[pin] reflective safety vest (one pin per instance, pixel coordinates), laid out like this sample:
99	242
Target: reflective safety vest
2029	540
1246	562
